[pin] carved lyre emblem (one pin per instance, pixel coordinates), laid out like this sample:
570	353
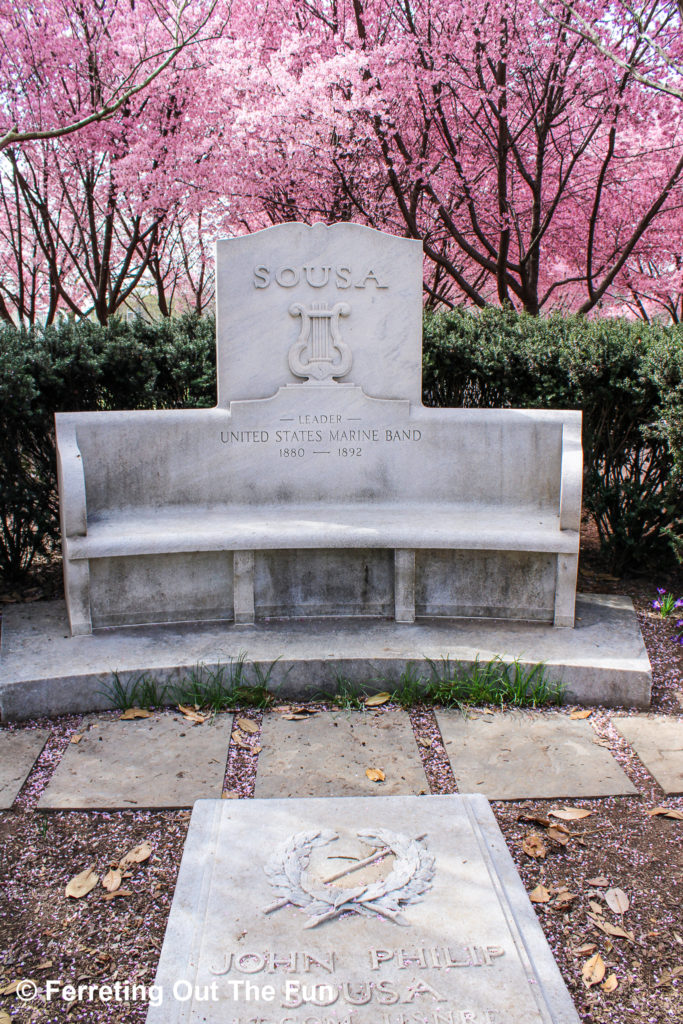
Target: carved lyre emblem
319	352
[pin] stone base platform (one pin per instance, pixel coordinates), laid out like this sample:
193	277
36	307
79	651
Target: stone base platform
45	671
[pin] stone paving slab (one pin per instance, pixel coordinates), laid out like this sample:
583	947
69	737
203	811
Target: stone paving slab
327	754
658	742
465	946
521	755
18	753
163	761
44	671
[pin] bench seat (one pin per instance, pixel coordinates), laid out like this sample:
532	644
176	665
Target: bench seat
242	528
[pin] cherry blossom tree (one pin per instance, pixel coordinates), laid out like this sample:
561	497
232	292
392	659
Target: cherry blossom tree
517	152
84	211
538	171
69	64
643	37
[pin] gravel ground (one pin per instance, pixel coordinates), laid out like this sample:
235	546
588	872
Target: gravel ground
104	939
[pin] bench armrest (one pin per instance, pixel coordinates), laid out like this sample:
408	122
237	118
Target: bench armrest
71	480
571	472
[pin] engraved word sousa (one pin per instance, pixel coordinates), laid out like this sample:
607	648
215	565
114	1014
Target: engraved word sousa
315	276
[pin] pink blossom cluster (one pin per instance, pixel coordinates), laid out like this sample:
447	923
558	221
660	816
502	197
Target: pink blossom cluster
535	148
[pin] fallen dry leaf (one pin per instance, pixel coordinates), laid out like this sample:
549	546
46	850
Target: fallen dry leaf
564	900
533	845
598	881
540	894
137	855
536	819
377	699
246	725
584	950
593	971
76	738
666	812
595	907
135	713
611	929
296	711
585	713
239	740
617	900
375	774
191	715
112	880
9	990
558	837
83	883
668	976
610	983
115	895
570	813
43	966
5	1017
424	742
230	794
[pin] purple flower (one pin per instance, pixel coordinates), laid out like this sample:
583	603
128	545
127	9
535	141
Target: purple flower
661	590
657	605
679	603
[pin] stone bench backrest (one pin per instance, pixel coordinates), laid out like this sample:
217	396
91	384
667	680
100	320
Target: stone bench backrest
208	458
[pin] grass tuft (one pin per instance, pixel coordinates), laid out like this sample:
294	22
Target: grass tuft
492	682
142	692
237	684
221	688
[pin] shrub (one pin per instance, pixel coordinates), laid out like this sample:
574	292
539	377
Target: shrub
627	377
73	367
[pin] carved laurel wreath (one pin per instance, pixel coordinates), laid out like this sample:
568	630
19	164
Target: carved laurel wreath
410	877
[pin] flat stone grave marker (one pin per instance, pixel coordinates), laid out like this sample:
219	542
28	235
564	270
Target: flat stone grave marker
162	761
658	742
327	754
519	755
271	921
18	753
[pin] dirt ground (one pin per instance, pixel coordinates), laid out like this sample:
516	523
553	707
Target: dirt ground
104	939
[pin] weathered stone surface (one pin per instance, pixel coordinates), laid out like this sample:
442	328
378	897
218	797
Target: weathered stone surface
320	484
468	950
45	671
658	742
162	761
519	755
260	277
327	755
18	753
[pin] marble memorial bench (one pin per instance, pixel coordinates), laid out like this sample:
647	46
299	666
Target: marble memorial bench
319	485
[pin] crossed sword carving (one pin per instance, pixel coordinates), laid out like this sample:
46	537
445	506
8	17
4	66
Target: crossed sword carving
356	866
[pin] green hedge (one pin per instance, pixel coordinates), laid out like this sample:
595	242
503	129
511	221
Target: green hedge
627	378
82	366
